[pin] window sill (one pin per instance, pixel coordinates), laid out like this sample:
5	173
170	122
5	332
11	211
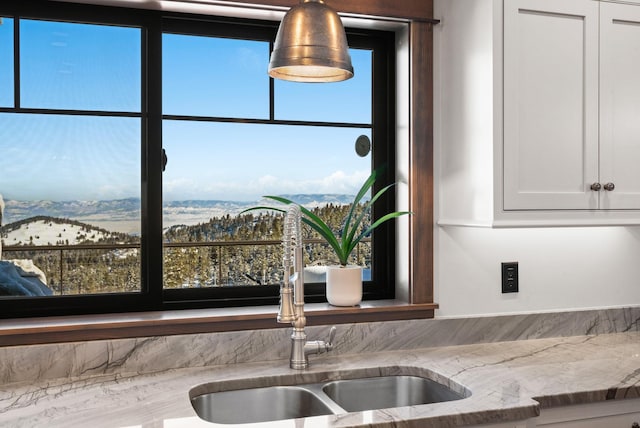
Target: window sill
31	331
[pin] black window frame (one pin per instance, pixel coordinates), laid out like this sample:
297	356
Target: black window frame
153	24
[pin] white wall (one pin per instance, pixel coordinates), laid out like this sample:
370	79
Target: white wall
559	268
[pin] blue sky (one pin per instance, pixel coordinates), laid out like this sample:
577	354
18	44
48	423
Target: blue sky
90	67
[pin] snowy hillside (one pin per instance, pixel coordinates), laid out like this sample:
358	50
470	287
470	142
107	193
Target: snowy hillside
129	209
49	231
123	215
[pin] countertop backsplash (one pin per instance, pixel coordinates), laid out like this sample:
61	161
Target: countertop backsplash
152	354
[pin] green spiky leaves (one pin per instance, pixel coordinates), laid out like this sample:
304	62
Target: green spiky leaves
344	244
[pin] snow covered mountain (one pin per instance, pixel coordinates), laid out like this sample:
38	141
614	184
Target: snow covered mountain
43	230
123	215
116	209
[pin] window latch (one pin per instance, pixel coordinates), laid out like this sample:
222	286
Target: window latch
164	160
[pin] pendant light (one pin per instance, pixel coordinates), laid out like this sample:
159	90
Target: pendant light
311	45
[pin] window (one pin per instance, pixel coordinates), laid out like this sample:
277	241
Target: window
6	62
96	97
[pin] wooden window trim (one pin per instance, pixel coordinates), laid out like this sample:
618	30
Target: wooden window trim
31	331
416	10
421	162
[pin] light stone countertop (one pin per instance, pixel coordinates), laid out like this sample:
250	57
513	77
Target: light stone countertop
505	378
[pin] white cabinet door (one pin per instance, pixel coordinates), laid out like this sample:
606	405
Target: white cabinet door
604	414
620	105
619	421
550	104
520	424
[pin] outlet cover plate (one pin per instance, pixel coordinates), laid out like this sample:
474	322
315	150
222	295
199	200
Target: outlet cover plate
510	277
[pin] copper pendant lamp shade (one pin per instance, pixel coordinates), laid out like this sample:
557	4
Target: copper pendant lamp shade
311	45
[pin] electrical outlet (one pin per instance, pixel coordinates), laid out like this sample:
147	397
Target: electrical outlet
510	277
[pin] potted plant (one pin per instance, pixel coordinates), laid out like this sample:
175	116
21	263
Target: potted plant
344	281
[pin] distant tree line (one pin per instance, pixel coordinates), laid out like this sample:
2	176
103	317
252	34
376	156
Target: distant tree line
72	270
89	271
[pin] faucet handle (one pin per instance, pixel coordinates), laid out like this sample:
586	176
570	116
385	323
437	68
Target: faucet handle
320	346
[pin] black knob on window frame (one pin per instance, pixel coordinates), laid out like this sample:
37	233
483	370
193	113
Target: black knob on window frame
164	160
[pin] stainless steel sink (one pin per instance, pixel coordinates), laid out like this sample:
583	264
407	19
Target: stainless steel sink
356	395
338	396
259	405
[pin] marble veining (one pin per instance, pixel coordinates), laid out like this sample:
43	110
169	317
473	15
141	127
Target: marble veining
508	381
153	354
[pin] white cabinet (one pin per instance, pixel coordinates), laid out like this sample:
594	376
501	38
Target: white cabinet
620	104
520	424
612	414
550	104
536	101
608	414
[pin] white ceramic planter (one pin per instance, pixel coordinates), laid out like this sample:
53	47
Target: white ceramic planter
344	285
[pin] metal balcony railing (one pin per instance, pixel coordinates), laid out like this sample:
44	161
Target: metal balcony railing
109	268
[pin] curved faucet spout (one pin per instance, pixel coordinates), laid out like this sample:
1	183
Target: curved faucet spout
290	243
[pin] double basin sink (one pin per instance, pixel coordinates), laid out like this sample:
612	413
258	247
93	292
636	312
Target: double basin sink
329	397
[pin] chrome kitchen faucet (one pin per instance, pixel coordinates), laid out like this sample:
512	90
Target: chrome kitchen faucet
292	296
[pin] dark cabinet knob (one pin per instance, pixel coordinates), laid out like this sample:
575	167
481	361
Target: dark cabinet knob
596	187
609	187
